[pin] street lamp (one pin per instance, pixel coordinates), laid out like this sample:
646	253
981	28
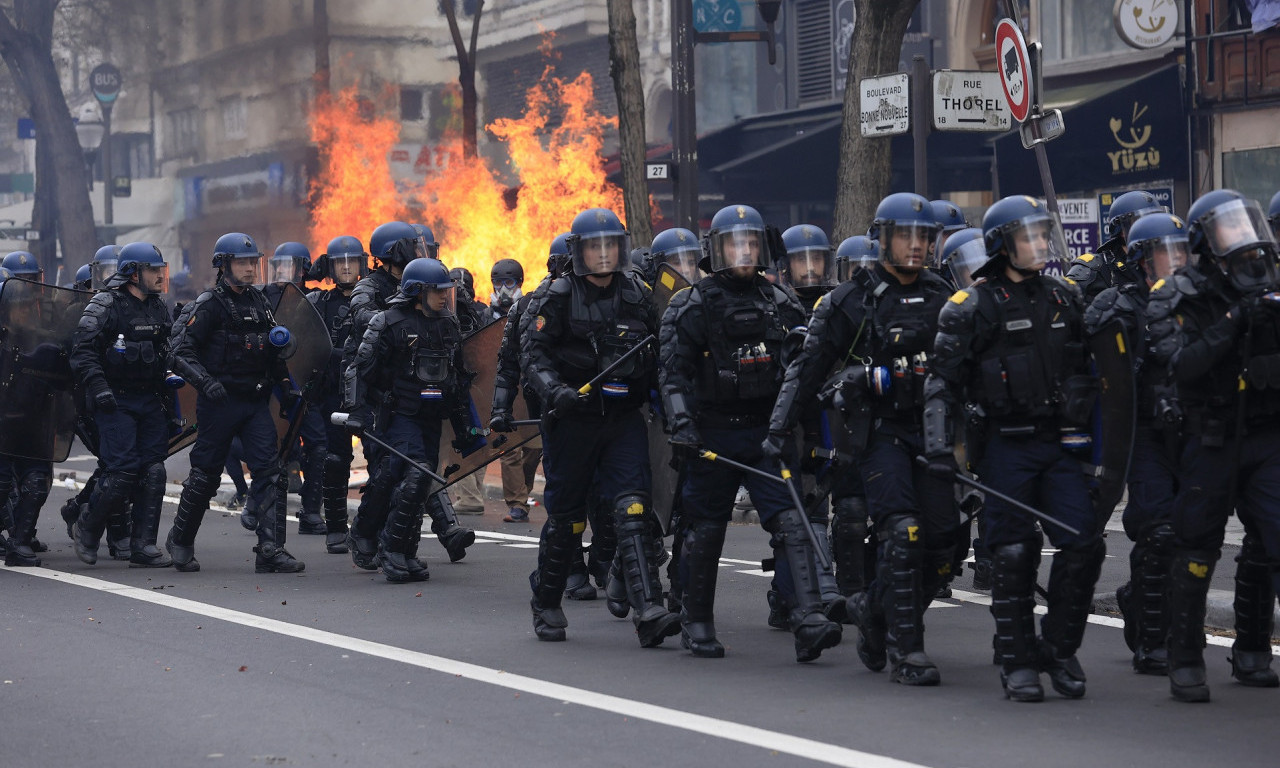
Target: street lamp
89	132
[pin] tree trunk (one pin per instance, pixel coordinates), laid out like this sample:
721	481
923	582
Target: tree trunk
865	170
466	73
624	66
43	207
27	50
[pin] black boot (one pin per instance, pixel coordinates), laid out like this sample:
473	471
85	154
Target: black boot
1254	605
1188	591
699	567
115	491
310	523
834	604
579	586
813	631
1013	579
145	520
1072	577
375	505
118	532
561	546
404	526
453	537
637	556
615	592
194	502
272	557
849	545
32	492
901	565
1149	609
337	472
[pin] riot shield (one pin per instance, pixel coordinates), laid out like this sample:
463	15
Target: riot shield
480	352
308	362
37	399
665	477
184	416
1115	417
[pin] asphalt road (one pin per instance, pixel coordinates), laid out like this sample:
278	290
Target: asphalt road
116	667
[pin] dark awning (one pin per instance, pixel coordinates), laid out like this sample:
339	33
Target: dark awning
1132	134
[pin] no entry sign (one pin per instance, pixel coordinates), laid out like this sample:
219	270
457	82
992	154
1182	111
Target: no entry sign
1013	63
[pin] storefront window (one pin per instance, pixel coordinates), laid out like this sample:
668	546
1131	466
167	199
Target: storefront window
1253	173
1073	29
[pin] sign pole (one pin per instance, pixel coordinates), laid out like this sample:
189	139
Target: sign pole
1042	156
684	131
919	124
108	200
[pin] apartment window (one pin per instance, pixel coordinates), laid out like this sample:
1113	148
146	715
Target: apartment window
411	103
184	131
1074	29
233	118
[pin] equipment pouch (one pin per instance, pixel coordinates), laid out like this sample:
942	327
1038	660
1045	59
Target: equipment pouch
431	366
1018	374
148	352
995	384
1079	393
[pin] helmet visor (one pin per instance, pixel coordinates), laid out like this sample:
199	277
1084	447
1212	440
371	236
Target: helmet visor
437	300
965	259
1234	226
811	268
1034	241
1162	256
347	269
601	254
153	279
1120	225
906	245
424	250
685	261
244	269
740	246
100	272
284	271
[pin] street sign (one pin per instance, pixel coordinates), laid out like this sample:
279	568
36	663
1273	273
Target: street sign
1014	65
657	171
886	105
717	15
1041	128
121	186
969	101
26	128
105	82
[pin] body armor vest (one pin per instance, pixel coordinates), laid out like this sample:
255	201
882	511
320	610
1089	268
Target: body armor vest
744	338
136	362
239	352
602	331
422	377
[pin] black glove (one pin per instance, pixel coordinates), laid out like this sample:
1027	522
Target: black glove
469	443
564	399
773	445
105	402
502	421
685	441
943	467
289	399
214	390
358	419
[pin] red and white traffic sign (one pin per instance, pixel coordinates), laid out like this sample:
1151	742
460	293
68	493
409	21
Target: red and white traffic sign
1013	63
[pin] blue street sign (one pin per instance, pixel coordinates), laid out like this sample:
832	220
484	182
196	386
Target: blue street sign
717	15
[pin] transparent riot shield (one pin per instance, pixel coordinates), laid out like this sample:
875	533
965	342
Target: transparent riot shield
308	353
37	401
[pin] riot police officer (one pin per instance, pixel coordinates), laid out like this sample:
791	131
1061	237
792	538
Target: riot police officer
103	266
222	345
721	368
394	244
1014	346
344	262
1217	330
881	324
121	354
413	352
23	265
586	323
1157	246
679	248
950	220
855	253
1095	272
289	263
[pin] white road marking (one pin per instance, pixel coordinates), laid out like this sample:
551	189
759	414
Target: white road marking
665	716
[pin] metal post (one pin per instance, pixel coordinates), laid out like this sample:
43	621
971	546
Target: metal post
920	122
108	214
684	130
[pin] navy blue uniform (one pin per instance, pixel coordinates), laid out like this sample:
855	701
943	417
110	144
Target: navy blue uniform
333	306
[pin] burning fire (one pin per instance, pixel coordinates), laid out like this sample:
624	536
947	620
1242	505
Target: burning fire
560	172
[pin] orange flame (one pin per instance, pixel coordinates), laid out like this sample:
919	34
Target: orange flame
560	173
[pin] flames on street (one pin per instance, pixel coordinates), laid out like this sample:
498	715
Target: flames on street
559	170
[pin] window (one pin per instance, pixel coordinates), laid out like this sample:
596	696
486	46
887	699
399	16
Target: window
411	104
814	73
1252	172
233	118
1074	29
184	131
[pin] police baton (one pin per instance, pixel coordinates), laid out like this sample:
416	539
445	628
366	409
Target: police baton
823	558
964	479
339	419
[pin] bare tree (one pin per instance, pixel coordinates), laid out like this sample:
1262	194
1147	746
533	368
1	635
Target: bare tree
466	71
863	176
624	66
61	209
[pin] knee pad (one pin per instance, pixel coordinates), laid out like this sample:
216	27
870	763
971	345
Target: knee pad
852	509
631	511
154	473
902	531
36	484
1014	567
203	482
414	487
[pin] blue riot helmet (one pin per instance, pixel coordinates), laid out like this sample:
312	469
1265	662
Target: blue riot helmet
103	265
23	265
963	254
558	255
344	262
1128	208
427	245
238	260
950	220
396	243
808	262
1231	231
428	281
1022	232
145	262
854	253
84	278
289	264
1158	245
1273	215
736	241
598	243
680	248
906	230
4	275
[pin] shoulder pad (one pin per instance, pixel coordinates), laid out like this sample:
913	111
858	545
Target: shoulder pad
1085	271
1106	300
381	320
94	315
1086	258
559	287
686	295
1067	284
957	314
634	289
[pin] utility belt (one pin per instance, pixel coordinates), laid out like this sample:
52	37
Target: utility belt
247	388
